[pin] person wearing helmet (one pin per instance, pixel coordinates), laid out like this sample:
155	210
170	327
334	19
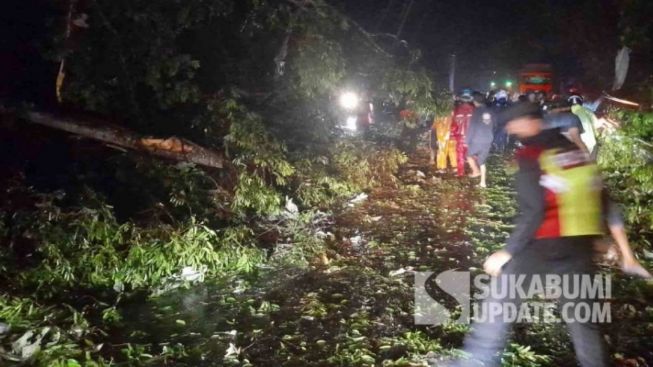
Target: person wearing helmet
479	138
501	98
500	136
460	123
588	121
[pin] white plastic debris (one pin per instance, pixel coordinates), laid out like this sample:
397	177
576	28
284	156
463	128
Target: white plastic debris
420	174
187	274
356	241
4	328
291	208
232	351
358	199
324	235
369	219
401	271
241	287
29	344
119	286
190	274
80	21
222	334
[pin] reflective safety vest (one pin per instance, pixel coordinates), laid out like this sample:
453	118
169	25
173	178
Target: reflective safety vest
573	195
442	127
588	120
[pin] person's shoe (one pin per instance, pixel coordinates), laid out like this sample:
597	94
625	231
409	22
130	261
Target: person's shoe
482	185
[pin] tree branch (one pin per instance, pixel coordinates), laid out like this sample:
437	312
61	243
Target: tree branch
171	148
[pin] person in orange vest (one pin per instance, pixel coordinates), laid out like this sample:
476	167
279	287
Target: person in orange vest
446	147
462	115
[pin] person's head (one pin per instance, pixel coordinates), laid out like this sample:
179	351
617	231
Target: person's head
466	95
479	99
572	90
575	100
490	96
523	120
501	98
531	97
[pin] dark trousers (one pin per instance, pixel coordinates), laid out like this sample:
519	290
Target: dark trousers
500	140
567	255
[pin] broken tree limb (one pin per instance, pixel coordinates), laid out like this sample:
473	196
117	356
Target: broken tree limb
171	148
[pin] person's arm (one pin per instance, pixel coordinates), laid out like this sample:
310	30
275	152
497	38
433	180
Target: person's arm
629	263
574	135
471	130
593	106
530	196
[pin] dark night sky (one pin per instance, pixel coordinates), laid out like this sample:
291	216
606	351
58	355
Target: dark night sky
487	35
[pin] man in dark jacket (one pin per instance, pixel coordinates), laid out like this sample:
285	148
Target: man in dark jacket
562	211
479	138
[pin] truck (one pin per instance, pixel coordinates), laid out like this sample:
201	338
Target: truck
536	77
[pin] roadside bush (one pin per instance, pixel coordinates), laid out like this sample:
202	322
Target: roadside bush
86	247
365	165
626	157
317	183
43	336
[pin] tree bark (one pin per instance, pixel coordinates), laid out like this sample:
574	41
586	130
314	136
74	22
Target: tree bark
171	148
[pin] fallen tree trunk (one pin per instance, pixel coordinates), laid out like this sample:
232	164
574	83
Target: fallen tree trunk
171	148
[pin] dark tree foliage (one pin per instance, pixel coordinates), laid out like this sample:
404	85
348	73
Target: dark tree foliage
163	66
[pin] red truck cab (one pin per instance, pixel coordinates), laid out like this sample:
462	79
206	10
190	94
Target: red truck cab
536	77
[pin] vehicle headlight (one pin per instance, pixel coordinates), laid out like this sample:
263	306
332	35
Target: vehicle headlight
349	100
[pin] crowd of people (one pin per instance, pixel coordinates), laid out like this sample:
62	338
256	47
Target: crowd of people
465	137
564	211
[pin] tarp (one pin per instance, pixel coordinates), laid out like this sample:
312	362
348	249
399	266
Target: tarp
621	67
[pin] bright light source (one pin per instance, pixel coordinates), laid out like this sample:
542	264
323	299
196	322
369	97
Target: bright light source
351	123
493	84
508	84
349	100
